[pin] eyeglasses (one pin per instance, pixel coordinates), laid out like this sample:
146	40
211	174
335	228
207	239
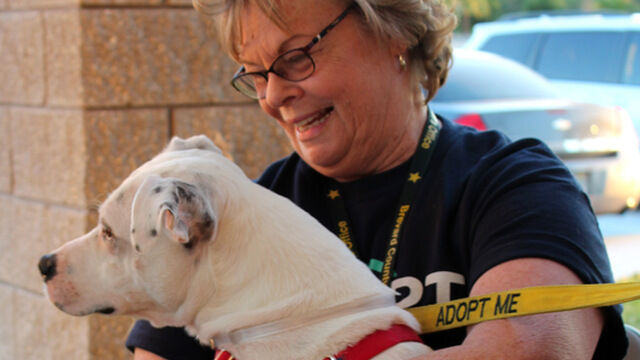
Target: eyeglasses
293	65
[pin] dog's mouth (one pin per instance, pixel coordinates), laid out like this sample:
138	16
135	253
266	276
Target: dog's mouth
105	310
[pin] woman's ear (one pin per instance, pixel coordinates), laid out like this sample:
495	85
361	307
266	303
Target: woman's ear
398	49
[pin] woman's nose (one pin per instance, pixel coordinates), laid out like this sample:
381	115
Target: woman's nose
279	91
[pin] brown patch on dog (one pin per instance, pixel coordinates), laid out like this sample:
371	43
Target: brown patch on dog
200	231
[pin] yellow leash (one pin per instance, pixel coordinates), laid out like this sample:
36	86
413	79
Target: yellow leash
520	302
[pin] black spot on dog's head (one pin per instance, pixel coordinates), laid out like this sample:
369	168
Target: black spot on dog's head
184	193
157	189
154	232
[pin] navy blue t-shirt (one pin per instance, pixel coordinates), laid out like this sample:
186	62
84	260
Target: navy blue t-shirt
484	200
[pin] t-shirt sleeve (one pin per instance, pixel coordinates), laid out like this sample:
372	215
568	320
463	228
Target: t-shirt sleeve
527	204
169	342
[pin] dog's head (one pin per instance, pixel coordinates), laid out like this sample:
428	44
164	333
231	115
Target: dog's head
141	258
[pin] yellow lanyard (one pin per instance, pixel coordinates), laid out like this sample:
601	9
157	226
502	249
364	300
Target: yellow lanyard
417	169
520	302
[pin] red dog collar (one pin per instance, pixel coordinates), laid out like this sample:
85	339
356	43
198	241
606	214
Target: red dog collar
377	342
365	349
223	355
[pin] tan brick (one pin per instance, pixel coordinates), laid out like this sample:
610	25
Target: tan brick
108	335
151	57
48	154
41	4
253	139
186	3
7	325
63	40
118	142
29	230
5	152
22	70
44	332
122	2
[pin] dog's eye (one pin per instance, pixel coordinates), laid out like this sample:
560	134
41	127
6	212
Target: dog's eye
107	234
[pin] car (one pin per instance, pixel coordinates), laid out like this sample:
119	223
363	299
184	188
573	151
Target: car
591	57
597	143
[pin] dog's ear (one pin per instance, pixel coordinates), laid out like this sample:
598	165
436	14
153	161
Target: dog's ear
176	227
186	214
195	142
181	210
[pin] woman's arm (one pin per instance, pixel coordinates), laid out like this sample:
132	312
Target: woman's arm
560	335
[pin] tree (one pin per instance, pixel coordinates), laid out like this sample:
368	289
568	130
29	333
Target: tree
533	5
628	5
471	11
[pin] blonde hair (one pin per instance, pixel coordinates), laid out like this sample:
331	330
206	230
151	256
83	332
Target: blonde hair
425	26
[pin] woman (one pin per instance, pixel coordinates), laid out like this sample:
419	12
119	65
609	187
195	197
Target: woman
475	213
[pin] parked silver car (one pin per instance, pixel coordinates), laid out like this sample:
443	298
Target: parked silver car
596	143
588	57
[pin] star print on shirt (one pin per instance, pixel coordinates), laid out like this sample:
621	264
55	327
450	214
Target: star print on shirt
414	177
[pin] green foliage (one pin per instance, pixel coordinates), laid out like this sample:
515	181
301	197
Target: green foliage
628	5
631	313
477	9
535	5
472	11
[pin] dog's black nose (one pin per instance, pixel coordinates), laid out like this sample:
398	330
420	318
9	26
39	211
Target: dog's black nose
47	266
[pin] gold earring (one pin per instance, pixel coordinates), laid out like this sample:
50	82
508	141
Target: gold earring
403	62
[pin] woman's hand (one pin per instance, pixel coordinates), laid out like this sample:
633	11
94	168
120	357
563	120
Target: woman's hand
142	354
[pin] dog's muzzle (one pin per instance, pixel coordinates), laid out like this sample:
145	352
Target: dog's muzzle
47	266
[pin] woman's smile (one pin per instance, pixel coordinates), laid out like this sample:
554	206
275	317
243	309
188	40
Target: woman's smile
310	127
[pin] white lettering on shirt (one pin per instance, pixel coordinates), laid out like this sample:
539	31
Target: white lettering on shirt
441	279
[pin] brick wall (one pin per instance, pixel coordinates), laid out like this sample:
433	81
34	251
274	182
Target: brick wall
89	90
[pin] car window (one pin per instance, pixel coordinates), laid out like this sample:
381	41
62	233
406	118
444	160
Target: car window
477	79
631	71
584	56
518	47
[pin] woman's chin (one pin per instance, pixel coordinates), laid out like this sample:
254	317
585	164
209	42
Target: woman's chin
319	157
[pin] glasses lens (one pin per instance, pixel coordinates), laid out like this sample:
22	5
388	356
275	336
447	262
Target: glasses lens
249	84
295	65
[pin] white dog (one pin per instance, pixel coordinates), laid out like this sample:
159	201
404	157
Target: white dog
188	240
